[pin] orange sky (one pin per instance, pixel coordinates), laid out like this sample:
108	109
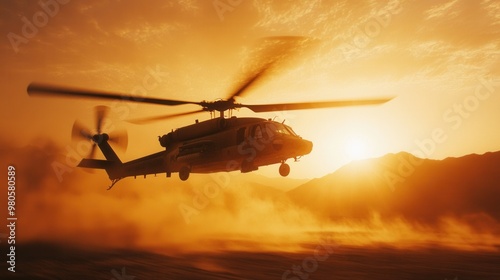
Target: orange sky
439	59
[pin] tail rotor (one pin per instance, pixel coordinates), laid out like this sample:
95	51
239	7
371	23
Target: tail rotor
80	132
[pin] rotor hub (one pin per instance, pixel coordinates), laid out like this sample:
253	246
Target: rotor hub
219	105
100	138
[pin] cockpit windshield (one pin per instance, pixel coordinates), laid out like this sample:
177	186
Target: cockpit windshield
290	130
278	128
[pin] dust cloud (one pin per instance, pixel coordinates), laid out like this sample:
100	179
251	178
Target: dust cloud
211	213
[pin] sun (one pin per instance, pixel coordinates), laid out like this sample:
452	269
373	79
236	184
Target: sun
356	148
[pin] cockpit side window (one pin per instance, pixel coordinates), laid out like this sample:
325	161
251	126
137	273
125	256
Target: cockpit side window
257	132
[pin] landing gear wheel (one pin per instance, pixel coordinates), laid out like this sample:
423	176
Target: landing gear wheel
184	173
284	169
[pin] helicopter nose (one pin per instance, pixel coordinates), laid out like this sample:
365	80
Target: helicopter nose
299	146
306	146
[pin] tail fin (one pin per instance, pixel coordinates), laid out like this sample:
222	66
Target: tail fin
111	164
108	152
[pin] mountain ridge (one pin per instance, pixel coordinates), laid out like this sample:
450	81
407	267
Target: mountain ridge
402	185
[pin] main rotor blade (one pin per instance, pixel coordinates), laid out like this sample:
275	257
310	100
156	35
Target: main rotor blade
250	80
163	117
313	105
289	46
44	89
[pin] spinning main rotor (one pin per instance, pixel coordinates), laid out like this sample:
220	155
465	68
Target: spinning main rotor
285	46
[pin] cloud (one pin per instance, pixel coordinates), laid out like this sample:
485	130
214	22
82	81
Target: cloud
441	10
492	8
146	33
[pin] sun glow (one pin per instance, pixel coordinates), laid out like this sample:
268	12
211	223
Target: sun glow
356	148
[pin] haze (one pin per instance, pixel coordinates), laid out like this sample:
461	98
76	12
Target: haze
438	59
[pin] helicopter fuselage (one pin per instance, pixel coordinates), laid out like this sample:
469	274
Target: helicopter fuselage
216	145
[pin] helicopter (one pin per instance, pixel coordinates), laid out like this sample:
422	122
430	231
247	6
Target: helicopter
220	144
